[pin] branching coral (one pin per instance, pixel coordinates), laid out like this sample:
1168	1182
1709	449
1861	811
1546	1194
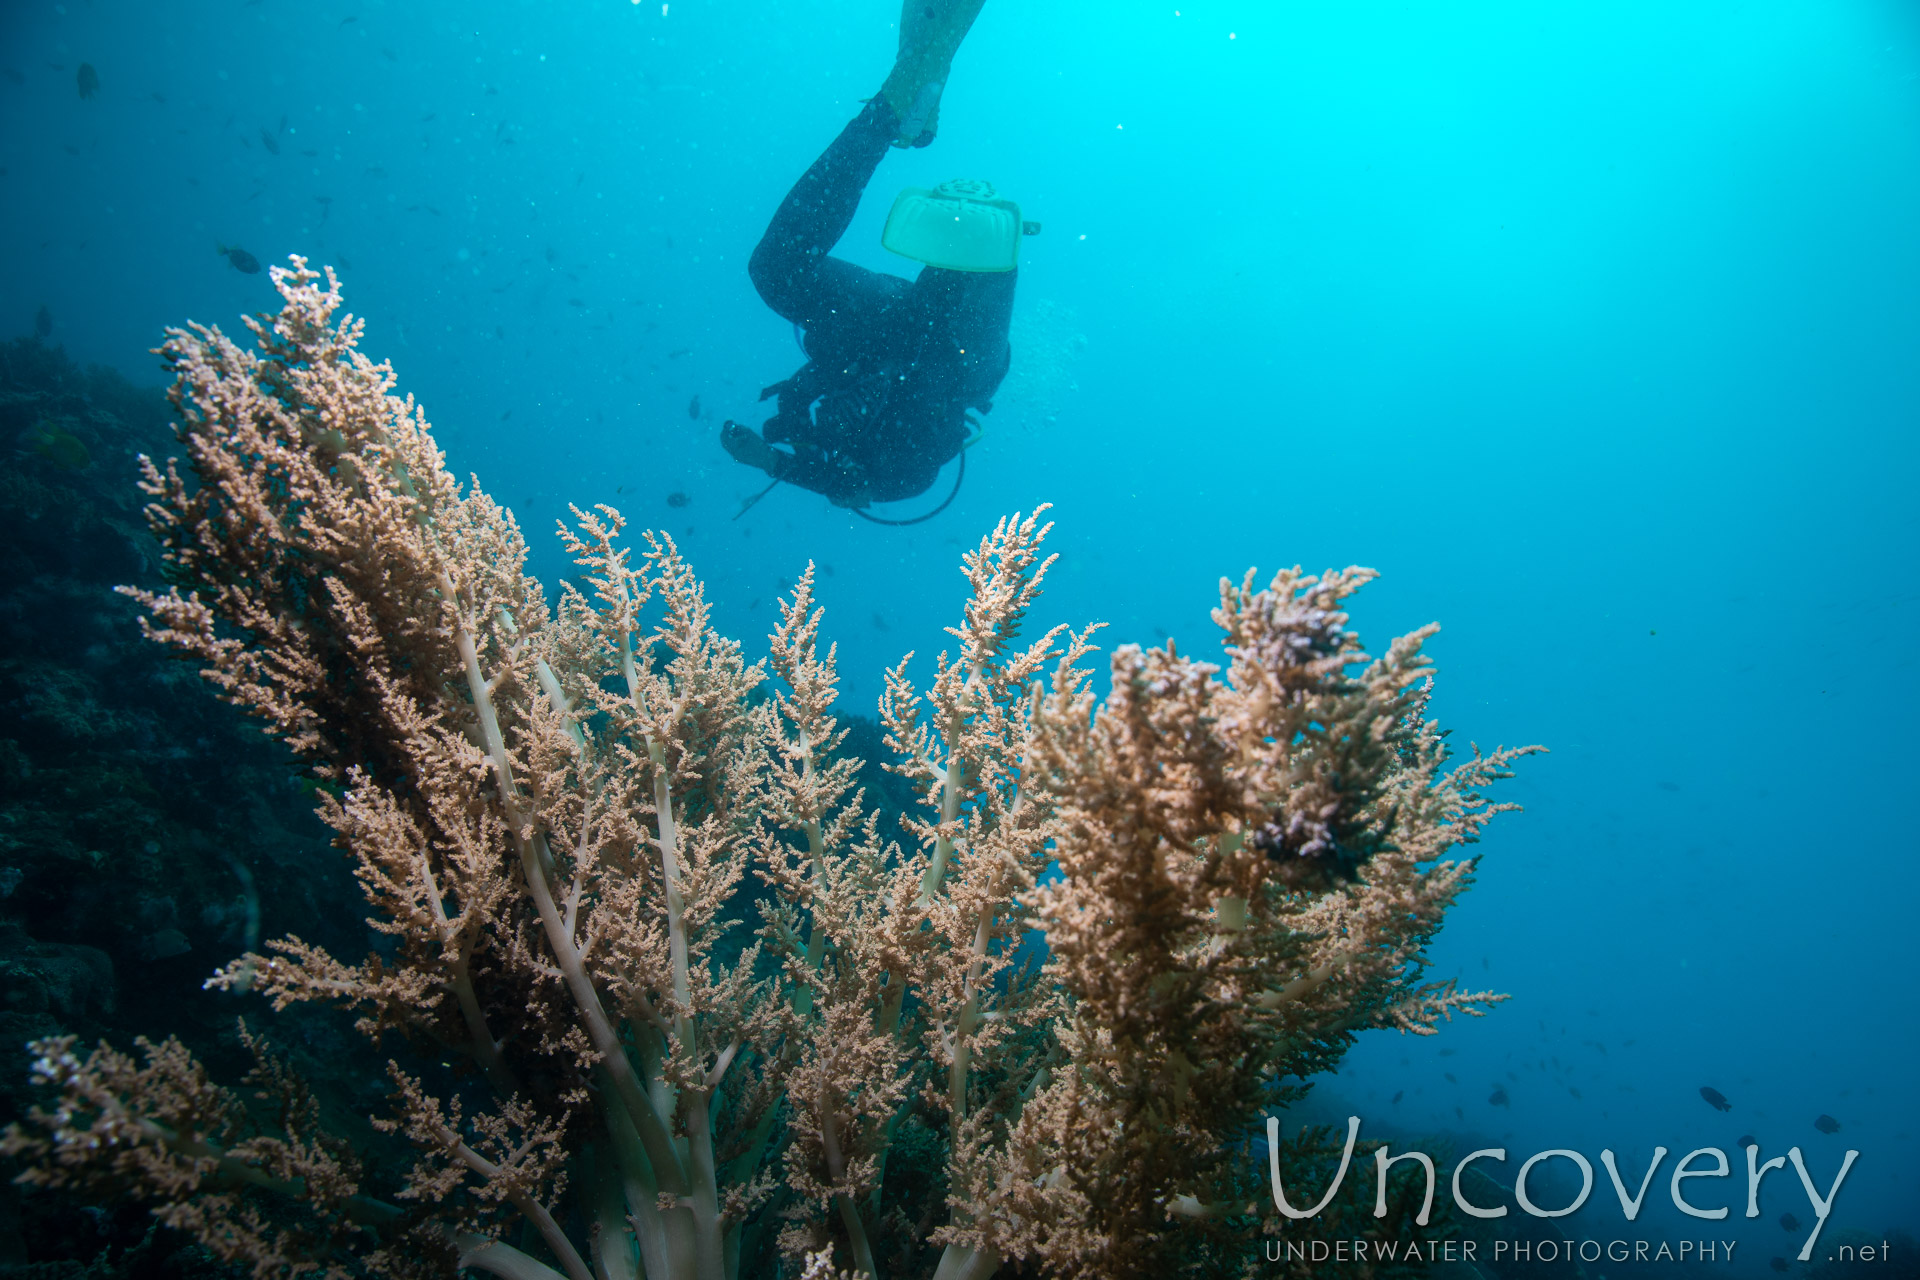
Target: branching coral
703	1005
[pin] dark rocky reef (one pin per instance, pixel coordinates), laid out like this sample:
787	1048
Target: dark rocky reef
148	832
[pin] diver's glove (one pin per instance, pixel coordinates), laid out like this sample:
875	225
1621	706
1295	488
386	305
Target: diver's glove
743	444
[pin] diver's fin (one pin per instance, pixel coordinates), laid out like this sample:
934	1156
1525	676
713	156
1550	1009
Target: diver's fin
930	35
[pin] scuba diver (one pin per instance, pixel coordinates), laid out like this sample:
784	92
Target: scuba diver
893	365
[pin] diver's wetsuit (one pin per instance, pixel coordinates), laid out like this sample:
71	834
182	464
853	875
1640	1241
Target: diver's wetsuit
892	365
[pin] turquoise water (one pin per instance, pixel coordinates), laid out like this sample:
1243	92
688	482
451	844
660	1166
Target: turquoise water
1594	330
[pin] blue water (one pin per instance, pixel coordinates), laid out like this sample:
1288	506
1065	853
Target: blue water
1593	327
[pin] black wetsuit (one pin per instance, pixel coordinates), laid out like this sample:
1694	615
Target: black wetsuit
892	365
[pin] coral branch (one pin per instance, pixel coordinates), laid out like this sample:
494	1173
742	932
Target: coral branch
626	884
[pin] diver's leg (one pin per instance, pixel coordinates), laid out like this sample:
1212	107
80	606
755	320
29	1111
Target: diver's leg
930	35
790	266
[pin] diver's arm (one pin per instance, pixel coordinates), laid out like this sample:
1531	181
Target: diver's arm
833	476
980	332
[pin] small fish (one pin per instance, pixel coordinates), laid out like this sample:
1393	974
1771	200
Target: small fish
60	447
1715	1099
326	206
826	570
13	77
1789	1223
1575	1092
1460	1113
242	261
1667	786
89	80
675	355
1826	1124
1498	1098
575	302
158	97
430	117
267	141
693	408
1449	1076
43	322
352	17
1399	1094
1748	1140
506	415
1778	1264
678	499
879	623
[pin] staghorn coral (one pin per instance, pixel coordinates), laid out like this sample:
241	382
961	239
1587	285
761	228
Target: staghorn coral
694	1017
